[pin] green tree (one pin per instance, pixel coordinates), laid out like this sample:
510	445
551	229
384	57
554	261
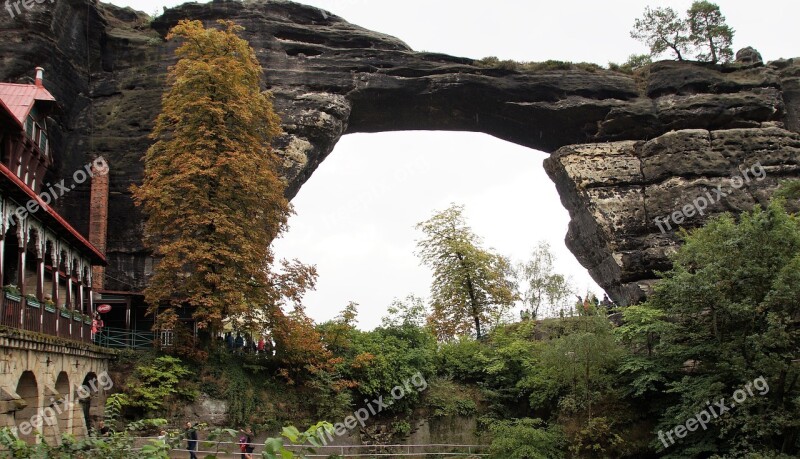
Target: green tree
211	193
408	312
728	313
471	285
634	63
709	33
384	358
581	362
662	29
337	333
542	288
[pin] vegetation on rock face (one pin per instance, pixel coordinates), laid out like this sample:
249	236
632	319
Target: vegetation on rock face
493	62
634	63
154	384
703	32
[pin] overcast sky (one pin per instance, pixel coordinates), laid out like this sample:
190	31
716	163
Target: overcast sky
356	216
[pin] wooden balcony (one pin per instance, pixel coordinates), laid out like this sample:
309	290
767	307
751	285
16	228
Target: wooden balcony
27	314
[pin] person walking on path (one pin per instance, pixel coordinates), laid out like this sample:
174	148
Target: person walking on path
191	440
246	444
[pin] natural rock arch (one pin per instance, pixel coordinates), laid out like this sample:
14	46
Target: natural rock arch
331	78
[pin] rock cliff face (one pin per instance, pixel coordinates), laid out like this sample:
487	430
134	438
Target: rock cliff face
617	163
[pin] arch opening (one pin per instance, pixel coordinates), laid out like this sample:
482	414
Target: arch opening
90	403
28	390
63	415
355	217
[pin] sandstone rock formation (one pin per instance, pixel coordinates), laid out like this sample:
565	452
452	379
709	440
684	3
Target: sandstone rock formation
107	67
615	192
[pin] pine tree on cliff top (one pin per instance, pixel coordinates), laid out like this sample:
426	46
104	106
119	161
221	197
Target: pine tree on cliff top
212	197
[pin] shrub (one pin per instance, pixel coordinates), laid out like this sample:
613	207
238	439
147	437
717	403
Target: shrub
493	62
155	383
526	439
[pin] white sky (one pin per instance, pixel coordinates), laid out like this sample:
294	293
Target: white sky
356	216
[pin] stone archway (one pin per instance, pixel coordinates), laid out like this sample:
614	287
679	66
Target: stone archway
61	405
89	408
28	390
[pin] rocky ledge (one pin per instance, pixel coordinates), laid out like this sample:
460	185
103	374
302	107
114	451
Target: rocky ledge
617	163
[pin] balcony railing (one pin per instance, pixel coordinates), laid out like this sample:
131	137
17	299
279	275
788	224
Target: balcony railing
28	314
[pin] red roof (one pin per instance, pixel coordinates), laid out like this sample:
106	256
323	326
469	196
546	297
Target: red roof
19	98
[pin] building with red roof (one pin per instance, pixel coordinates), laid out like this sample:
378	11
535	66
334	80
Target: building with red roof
45	264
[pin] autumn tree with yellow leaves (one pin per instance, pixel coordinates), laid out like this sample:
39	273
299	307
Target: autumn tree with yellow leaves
472	286
212	196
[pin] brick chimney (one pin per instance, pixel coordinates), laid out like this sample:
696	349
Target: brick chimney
40	77
98	221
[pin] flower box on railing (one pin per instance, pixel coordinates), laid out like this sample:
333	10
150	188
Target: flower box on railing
66	313
13	297
87	319
77	316
33	302
12	290
50	308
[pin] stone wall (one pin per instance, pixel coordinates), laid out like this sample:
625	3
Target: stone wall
50	385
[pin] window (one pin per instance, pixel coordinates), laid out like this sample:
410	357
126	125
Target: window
43	142
29	126
167	338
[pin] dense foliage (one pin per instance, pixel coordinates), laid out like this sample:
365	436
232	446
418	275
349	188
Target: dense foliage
721	325
725	316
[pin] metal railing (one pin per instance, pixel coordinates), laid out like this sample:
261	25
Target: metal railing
50	322
33	318
12	313
231	450
119	338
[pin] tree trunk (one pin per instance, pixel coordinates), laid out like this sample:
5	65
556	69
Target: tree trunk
472	299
